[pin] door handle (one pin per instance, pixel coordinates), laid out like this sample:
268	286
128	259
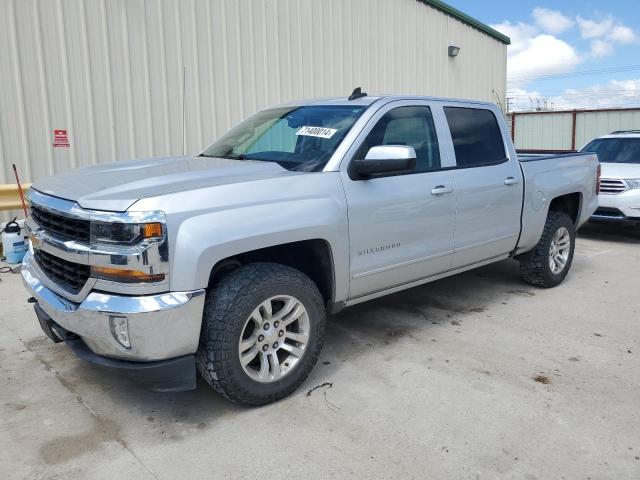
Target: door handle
509	181
441	190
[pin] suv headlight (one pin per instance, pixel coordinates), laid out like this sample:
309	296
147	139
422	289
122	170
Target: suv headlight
633	183
124	233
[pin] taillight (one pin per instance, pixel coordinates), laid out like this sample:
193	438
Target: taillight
599	172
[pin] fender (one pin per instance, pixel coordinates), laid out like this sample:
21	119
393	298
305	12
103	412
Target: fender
225	221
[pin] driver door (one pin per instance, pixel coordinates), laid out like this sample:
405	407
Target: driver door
400	226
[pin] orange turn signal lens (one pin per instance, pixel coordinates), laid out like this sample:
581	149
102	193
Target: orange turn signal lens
151	230
125	276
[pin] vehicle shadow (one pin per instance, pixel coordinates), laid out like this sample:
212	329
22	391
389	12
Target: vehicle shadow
413	313
610	232
410	315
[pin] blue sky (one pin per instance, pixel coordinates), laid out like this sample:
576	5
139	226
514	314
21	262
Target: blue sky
571	54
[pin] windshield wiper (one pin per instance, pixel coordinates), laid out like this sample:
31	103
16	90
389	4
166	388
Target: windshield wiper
235	157
227	156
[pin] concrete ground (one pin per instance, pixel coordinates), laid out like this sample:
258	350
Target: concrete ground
475	376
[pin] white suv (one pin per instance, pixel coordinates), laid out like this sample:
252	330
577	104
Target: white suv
619	198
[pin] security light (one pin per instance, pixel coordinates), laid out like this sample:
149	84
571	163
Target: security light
453	51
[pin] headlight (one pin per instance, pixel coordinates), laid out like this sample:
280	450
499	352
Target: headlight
633	182
124	233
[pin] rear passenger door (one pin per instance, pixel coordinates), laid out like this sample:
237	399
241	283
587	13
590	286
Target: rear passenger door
488	186
400	226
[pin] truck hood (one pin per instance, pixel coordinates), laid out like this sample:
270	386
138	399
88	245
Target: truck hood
620	170
117	186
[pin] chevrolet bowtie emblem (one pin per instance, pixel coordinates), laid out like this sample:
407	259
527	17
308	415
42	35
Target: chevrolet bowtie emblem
35	241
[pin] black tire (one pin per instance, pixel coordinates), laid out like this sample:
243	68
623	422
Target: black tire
227	308
534	265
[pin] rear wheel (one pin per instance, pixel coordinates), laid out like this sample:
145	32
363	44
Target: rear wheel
262	332
549	262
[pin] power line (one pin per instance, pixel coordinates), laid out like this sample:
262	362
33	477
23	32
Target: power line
575	92
583	73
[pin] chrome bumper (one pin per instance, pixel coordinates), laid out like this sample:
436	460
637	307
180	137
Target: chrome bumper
161	326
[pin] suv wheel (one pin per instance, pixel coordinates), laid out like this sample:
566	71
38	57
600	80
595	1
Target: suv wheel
262	332
549	262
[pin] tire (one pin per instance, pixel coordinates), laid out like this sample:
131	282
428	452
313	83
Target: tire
233	313
535	266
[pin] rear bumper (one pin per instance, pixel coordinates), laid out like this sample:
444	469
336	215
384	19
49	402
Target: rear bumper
170	375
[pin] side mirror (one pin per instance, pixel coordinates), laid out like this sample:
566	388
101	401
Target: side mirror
386	160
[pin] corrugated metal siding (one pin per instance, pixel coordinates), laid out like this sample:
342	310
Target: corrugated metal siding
111	71
554	130
543	132
594	124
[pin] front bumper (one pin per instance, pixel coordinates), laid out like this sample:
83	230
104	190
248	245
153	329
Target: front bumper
613	215
172	375
627	204
162	326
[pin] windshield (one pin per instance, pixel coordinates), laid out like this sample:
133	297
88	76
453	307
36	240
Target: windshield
615	150
297	138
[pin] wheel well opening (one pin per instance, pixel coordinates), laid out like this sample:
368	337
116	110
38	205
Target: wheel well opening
311	257
569	204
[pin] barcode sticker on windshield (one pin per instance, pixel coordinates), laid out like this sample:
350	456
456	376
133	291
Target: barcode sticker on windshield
316	132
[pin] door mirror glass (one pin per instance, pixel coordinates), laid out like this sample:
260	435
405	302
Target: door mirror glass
386	160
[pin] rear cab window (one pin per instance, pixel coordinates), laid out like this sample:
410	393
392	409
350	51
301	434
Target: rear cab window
476	136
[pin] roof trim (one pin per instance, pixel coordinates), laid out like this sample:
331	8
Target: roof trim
463	17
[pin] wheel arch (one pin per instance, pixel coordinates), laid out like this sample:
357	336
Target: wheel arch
570	203
313	257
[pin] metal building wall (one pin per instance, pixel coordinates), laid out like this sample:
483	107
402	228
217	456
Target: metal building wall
111	72
568	130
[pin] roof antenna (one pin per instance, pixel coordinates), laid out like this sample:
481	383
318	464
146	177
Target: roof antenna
357	93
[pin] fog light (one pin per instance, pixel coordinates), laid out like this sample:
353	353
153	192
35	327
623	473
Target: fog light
120	330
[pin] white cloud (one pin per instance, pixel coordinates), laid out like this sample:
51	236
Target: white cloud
600	48
537	48
606	28
594	29
615	93
622	34
551	21
532	53
519	33
544	55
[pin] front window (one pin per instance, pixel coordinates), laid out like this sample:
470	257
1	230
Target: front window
297	138
615	150
411	126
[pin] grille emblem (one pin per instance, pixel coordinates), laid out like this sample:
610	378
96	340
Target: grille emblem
36	243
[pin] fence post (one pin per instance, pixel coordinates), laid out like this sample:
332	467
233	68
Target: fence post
573	130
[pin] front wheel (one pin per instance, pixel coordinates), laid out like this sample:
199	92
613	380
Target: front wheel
549	262
262	332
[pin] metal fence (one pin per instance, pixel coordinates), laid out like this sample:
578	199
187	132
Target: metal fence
567	130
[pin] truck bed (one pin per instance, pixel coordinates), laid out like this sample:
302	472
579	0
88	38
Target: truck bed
551	176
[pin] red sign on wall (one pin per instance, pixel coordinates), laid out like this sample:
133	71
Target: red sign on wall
60	138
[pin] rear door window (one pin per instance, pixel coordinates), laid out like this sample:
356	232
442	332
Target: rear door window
476	136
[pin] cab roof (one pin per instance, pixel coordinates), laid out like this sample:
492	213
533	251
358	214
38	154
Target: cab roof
368	100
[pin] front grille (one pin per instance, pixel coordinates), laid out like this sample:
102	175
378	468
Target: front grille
612	186
69	275
68	228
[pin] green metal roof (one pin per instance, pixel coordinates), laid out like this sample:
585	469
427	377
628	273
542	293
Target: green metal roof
463	17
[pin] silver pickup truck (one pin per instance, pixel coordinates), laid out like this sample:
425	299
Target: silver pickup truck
227	263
